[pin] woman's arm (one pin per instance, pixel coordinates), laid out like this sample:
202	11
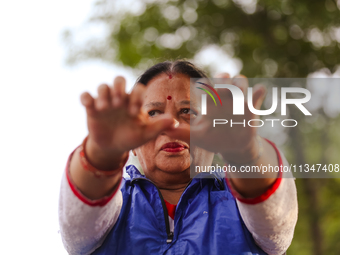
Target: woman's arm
89	185
254	184
267	203
116	125
89	205
272	215
85	222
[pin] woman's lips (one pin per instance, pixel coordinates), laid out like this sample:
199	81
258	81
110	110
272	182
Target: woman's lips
173	147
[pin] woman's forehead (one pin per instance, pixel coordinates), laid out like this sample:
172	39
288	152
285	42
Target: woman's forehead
176	85
162	89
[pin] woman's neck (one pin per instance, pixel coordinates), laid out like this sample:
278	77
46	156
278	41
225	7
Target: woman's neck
172	195
170	185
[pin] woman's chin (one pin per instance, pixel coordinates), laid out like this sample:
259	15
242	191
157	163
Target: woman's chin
175	166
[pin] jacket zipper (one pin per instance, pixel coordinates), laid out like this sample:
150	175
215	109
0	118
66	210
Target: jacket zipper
170	235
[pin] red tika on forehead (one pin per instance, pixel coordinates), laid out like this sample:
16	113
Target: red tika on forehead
170	76
169	97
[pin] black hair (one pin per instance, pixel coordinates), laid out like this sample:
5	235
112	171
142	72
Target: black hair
171	68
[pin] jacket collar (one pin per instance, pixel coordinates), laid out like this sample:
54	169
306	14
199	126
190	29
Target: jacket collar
134	173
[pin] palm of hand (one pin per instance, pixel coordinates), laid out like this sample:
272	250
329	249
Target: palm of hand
233	136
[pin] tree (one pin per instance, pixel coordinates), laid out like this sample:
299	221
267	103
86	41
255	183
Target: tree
272	39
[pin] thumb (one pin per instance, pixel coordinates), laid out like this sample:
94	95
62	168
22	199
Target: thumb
259	94
154	128
181	132
189	134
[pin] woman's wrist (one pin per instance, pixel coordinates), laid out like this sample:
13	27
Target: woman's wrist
103	159
253	184
247	155
87	182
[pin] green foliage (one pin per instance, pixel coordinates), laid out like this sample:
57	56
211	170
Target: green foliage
296	37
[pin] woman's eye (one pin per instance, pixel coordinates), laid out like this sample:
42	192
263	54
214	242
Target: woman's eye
153	113
188	111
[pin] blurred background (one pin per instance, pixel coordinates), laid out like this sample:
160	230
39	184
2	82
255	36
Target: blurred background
52	51
261	38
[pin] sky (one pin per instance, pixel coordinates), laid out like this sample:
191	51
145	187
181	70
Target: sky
42	120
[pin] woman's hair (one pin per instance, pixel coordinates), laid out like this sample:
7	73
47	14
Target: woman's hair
171	68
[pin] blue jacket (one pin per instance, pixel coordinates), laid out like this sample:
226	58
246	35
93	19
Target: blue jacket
207	221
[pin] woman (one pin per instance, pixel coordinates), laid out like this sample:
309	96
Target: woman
163	210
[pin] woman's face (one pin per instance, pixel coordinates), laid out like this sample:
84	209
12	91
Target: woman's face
165	155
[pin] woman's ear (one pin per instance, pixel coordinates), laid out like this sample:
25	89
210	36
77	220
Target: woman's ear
134	152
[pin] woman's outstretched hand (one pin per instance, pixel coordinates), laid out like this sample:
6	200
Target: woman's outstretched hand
237	143
235	140
116	123
232	141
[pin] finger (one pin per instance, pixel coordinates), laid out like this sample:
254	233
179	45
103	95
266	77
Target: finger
118	91
223	75
223	78
197	129
259	93
136	99
153	129
189	134
87	101
102	102
182	132
241	81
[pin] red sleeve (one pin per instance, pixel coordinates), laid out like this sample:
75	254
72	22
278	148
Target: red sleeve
269	191
99	202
